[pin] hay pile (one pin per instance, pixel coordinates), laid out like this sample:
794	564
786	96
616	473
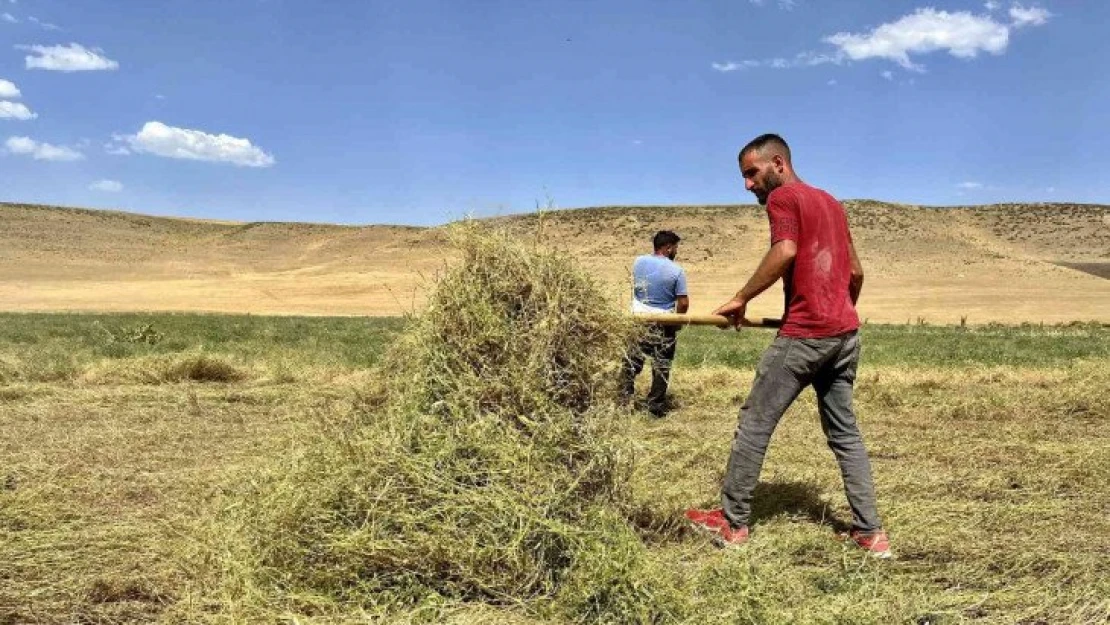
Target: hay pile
489	467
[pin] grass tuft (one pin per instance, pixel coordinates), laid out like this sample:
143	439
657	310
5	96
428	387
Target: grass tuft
166	369
203	368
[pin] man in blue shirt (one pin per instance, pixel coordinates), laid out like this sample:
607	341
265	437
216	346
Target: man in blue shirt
658	286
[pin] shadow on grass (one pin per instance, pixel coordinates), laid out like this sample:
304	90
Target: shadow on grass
794	499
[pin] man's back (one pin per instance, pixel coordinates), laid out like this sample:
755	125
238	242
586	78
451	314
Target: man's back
818	300
657	281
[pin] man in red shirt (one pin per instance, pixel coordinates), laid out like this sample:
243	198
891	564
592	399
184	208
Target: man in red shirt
818	345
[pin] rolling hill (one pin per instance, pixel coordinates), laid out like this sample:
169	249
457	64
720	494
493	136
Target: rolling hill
1005	263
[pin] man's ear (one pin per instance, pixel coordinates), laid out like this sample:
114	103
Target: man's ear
779	162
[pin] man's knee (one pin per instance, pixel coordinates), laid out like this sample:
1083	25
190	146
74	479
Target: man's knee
845	443
755	428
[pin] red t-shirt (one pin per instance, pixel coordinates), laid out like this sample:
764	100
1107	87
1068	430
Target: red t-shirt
818	303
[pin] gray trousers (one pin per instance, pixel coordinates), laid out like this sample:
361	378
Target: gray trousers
787	367
658	345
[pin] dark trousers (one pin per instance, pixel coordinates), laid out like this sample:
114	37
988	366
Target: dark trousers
787	367
659	346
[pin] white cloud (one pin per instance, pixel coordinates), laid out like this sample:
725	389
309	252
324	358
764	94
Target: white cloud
1032	16
71	58
732	66
889	75
16	110
8	89
41	151
961	34
9	18
783	4
802	59
970	185
44	25
832	82
162	140
108	186
117	146
809	59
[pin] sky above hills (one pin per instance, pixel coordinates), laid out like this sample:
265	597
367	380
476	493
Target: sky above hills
425	111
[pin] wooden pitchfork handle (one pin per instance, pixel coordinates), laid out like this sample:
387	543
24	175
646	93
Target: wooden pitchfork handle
676	319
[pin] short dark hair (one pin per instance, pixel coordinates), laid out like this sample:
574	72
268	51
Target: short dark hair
763	141
665	237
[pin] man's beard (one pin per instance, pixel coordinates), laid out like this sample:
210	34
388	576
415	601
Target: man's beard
672	255
771	182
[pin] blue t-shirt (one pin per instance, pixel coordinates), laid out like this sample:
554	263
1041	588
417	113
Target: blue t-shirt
657	281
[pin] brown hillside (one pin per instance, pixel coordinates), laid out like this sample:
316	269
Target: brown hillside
995	263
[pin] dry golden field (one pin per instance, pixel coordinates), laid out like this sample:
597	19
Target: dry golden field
1009	264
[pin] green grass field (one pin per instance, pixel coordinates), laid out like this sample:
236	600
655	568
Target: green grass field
990	445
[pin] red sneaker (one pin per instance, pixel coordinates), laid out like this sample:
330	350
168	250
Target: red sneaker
876	543
728	536
711	520
714	522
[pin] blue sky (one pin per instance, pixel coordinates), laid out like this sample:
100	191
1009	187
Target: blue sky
424	111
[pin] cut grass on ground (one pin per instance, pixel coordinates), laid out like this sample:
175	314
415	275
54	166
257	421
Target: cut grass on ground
991	449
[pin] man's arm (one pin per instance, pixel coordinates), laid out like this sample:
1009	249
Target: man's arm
855	285
771	268
682	301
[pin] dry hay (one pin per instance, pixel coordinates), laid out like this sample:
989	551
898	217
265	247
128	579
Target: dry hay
489	465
